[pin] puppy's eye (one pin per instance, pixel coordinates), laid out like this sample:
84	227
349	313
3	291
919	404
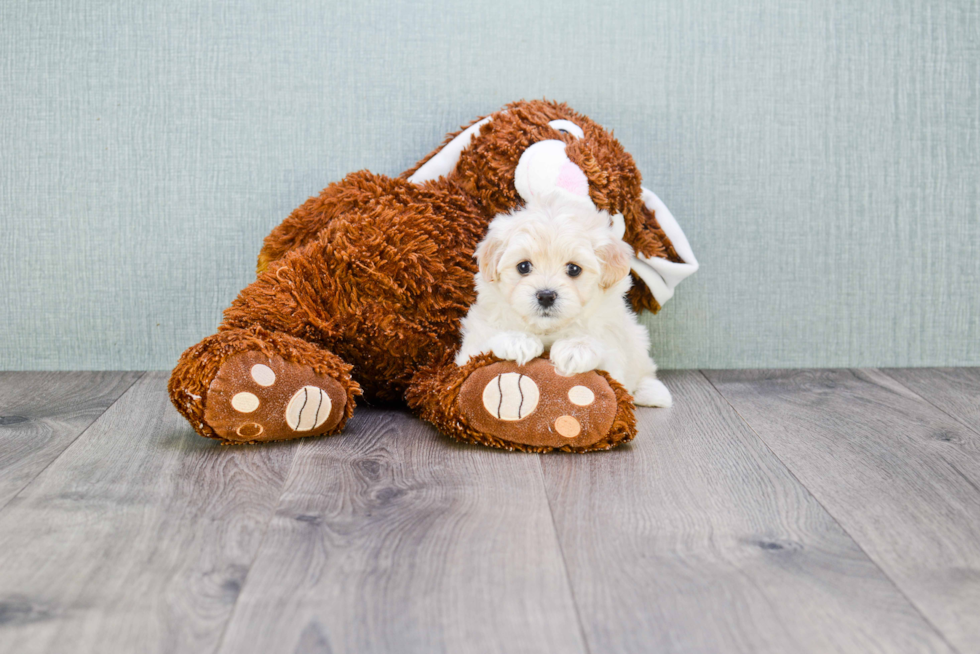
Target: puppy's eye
524	267
573	270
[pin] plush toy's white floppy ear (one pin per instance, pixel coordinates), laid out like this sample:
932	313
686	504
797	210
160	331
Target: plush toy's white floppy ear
444	161
660	275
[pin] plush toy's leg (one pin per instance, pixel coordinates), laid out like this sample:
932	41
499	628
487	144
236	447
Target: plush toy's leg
248	385
530	408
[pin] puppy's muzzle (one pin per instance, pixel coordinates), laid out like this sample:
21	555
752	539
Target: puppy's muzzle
546	298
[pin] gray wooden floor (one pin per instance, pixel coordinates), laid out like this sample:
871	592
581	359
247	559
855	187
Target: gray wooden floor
768	511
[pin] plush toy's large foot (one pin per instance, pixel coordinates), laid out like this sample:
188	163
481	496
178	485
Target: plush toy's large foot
245	386
255	397
531	407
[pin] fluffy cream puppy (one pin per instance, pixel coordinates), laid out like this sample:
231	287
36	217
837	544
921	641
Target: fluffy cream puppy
553	276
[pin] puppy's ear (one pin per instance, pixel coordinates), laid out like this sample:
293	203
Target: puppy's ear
488	255
615	260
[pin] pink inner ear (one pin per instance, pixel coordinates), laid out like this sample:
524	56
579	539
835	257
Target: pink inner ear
572	179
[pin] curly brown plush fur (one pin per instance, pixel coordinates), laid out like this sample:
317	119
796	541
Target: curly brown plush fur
368	281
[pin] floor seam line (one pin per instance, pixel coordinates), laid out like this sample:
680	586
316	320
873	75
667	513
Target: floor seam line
953	417
258	549
564	561
816	499
142	373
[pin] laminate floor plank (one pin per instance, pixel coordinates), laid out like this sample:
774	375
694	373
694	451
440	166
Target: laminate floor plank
901	476
954	390
696	538
393	538
828	511
137	538
41	413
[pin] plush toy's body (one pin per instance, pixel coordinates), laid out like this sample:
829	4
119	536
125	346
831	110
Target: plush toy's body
362	289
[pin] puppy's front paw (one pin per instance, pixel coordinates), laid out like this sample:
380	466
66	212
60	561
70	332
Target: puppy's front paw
652	392
516	346
574	355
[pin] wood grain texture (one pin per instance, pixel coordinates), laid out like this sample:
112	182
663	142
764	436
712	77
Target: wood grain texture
137	538
695	538
391	538
826	511
902	477
953	390
41	413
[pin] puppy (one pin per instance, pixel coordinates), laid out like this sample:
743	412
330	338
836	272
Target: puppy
553	276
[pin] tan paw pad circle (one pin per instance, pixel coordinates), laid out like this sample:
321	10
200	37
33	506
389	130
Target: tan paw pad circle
249	430
568	426
308	408
263	375
245	402
511	396
581	395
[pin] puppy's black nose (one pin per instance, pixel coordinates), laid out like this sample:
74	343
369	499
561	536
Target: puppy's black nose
546	298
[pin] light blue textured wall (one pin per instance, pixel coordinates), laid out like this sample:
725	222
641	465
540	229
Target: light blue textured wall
823	157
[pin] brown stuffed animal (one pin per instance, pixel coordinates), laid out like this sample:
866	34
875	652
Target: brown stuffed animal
361	290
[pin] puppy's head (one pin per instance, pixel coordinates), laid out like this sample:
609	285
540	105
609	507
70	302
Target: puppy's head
552	261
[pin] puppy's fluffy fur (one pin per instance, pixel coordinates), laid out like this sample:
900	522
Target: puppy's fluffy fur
553	276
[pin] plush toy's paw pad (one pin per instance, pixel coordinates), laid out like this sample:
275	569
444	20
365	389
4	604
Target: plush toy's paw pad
533	406
255	397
